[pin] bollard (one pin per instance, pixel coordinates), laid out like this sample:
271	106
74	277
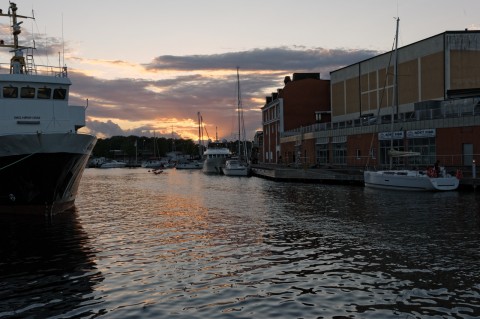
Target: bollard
474	170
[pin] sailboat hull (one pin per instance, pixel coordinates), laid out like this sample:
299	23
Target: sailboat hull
409	181
235	168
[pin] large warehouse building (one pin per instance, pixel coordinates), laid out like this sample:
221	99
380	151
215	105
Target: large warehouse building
438	111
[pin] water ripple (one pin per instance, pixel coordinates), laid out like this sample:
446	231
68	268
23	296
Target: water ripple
186	245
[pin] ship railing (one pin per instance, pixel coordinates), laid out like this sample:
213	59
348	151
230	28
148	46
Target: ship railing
45	70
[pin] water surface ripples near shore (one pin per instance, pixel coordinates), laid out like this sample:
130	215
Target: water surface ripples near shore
187	245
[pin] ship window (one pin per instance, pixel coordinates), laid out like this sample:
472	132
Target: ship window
10	92
27	92
59	94
44	93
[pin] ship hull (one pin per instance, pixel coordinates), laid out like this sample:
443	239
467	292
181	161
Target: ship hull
40	173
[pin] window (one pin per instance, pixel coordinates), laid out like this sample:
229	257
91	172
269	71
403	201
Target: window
10	92
59	94
322	153
385	148
426	147
27	92
44	93
340	153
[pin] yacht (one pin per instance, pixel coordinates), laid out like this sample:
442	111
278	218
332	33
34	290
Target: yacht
215	157
42	155
403	179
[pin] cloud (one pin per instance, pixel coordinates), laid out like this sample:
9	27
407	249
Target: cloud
186	85
274	59
166	94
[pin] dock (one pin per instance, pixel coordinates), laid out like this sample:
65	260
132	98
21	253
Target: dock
339	176
309	175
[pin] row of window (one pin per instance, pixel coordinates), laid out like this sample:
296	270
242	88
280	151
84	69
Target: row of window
12	92
425	146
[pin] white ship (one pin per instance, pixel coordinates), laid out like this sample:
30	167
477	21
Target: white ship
215	157
42	157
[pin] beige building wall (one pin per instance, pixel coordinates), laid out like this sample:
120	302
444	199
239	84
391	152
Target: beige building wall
338	98
464	69
432	72
426	70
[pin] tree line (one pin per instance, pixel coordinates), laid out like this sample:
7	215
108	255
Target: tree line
145	147
124	147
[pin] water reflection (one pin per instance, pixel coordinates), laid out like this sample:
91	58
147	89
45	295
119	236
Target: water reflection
186	245
46	264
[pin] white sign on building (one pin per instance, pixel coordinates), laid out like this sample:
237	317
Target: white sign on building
384	136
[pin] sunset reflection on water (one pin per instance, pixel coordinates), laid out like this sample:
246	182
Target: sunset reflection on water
188	245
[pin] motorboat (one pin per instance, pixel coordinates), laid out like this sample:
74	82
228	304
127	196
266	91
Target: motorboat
155	163
234	167
189	165
42	154
113	164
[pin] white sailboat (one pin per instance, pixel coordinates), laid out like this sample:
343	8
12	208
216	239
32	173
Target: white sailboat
413	180
238	166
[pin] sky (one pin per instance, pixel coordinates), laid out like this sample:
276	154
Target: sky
147	67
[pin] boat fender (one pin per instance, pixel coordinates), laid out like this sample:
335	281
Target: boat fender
459	174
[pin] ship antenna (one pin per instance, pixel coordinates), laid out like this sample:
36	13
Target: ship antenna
63	45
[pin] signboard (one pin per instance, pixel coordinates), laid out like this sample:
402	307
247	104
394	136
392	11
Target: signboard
398	135
421	133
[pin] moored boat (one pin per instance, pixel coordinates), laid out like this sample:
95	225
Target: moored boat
189	165
238	166
155	163
404	179
215	157
234	167
42	157
411	180
113	164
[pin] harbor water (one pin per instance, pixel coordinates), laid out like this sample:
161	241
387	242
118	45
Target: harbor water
183	244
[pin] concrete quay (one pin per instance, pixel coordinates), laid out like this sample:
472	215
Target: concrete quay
348	176
309	175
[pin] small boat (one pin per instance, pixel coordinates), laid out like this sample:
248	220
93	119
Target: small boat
155	163
189	165
113	164
42	155
234	167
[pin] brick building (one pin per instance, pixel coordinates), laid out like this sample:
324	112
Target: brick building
303	101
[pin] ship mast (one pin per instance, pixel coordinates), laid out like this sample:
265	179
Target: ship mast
17	62
16	29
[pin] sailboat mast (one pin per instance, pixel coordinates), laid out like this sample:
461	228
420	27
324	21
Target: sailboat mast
199	135
239	107
395	90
